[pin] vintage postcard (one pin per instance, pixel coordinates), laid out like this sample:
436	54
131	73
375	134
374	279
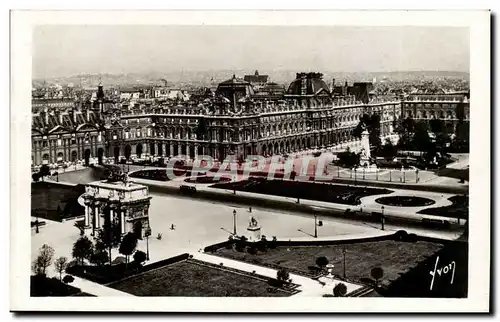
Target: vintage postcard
250	161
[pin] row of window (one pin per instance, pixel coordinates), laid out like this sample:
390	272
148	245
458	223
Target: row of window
59	142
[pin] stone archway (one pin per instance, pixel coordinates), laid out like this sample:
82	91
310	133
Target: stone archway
276	148
74	156
116	153
87	157
100	155
60	157
138	150
152	149
264	149
287	147
45	158
160	149
137	229
128	151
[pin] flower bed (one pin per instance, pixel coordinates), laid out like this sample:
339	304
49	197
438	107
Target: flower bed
405	201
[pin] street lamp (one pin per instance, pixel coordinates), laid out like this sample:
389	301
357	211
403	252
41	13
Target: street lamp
36	224
343	253
147	233
315	226
382	218
234	222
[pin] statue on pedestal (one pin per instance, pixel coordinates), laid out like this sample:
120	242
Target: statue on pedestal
254	230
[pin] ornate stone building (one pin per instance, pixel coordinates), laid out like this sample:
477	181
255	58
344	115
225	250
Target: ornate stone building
240	122
236	121
67	132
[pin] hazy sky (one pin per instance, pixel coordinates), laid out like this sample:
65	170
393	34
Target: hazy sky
70	50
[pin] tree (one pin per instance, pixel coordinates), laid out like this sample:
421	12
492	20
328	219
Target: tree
60	264
109	236
421	140
128	245
322	262
405	128
372	124
140	257
282	275
44	171
377	273
388	150
99	257
436	125
348	159
43	260
82	249
339	290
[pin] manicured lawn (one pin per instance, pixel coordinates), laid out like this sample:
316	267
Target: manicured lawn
459	208
343	194
394	257
189	278
55	201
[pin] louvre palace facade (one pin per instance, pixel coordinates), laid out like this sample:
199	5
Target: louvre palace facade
236	120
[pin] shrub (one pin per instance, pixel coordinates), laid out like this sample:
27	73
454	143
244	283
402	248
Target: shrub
140	257
68	279
377	273
401	235
322	262
252	250
339	290
283	275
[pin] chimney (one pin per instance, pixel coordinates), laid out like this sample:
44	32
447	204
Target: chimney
303	85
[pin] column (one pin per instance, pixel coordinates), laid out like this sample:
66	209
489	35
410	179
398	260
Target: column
86	216
171	149
163	149
195	151
122	221
111	215
96	218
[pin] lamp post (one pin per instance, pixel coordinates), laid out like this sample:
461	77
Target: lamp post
343	254
390	175
234	222
36	224
147	233
315	226
382	218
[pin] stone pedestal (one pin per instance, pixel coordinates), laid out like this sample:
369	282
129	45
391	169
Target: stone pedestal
254	234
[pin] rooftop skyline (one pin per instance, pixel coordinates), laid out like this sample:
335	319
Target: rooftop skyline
61	51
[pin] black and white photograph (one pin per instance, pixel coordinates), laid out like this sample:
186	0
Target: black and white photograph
246	156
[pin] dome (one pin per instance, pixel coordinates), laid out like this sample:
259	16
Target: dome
307	84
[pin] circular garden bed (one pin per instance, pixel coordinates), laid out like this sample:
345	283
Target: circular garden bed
207	180
153	174
405	201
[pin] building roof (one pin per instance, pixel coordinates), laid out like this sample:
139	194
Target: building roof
234	82
256	78
307	84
